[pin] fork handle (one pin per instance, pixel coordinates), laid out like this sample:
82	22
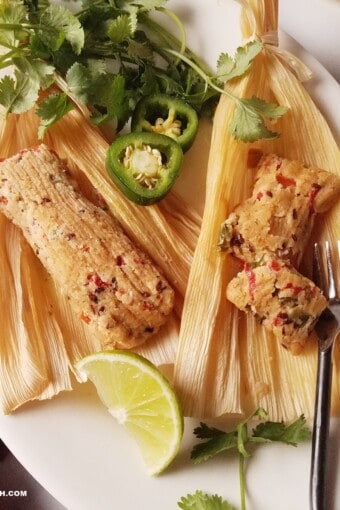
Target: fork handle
321	430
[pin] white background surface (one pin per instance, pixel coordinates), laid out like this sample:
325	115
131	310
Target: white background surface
71	444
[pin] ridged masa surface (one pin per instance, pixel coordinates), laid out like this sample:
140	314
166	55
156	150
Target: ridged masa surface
111	284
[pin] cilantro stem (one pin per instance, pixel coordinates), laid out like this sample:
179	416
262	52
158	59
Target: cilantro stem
172	41
16	26
242	462
6	58
180	25
200	71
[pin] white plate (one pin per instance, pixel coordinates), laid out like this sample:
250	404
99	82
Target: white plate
74	448
316	25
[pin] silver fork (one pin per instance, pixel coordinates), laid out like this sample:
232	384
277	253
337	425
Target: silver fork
327	329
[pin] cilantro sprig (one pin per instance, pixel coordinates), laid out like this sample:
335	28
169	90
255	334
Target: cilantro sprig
202	501
249	121
243	441
109	54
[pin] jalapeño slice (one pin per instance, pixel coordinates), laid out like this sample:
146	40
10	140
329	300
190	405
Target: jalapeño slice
144	165
168	116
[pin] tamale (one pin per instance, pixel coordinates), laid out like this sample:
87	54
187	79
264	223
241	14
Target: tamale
40	337
226	363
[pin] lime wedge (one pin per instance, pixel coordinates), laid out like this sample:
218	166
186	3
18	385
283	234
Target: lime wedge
141	399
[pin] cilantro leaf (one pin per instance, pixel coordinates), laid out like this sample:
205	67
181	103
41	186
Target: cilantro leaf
229	68
7	92
202	501
210	448
19	94
271	111
133	13
52	109
62	25
39	72
111	96
204	431
225	66
139	48
120	29
292	434
248	123
217	442
79	81
12	14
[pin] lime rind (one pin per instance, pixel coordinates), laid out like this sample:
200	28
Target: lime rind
140	398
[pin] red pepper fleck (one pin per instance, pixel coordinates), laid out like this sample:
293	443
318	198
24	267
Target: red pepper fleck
85	248
85	318
278	165
95	278
251	279
70	236
275	265
296	290
269	194
120	261
259	195
285	181
93	297
3	200
280	319
20	154
314	191
253	158
46	200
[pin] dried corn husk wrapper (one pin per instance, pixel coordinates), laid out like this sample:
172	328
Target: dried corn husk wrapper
40	338
226	362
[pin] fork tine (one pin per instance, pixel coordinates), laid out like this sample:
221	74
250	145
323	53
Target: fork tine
330	272
318	275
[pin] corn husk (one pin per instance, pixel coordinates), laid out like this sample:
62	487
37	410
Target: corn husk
40	337
226	363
